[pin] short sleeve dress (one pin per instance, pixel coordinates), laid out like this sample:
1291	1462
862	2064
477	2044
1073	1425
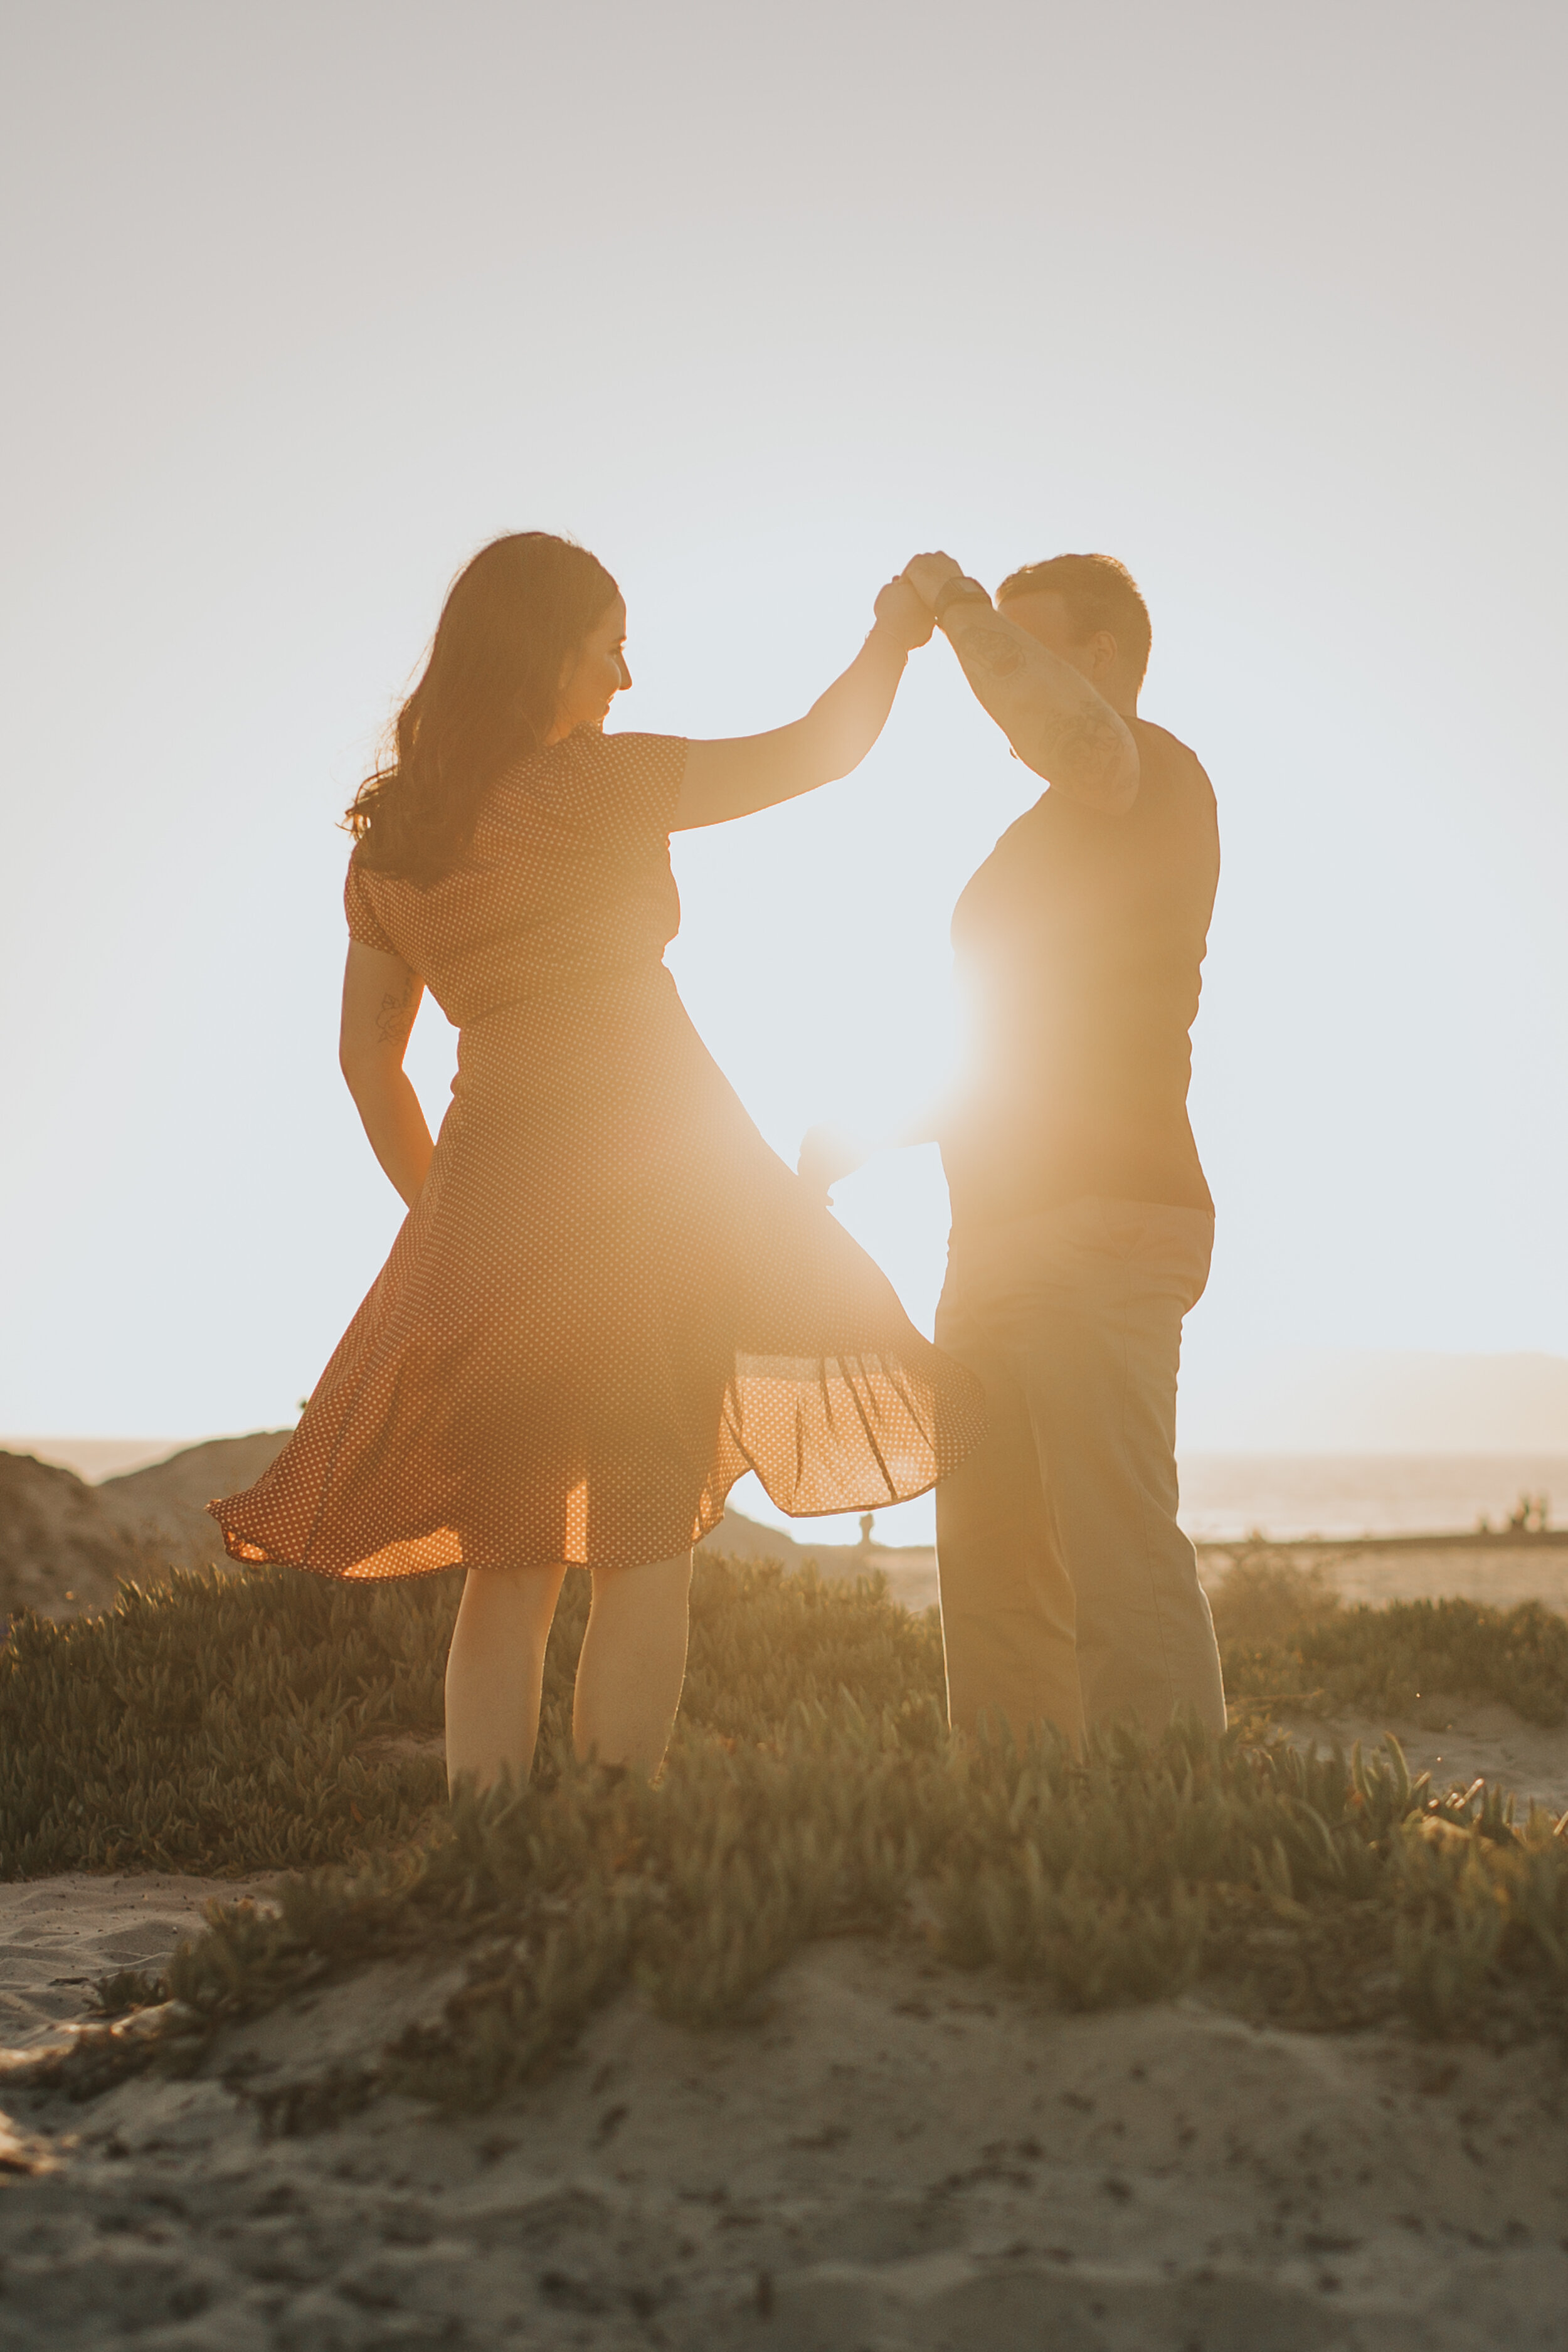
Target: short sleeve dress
611	1299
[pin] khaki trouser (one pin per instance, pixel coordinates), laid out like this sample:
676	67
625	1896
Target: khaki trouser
1068	1592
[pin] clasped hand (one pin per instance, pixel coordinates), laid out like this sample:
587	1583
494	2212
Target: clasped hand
928	575
905	606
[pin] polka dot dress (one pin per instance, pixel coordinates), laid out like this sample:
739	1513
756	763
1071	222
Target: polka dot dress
612	1298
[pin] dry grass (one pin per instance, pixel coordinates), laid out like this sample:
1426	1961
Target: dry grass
812	1789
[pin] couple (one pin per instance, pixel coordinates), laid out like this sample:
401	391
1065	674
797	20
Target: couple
610	1299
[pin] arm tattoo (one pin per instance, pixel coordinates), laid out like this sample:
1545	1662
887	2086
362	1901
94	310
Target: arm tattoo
996	651
1086	750
1079	748
394	1020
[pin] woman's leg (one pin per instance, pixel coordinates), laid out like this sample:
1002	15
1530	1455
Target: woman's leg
495	1671
633	1664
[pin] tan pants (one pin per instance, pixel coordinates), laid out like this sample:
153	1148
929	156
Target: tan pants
1068	1592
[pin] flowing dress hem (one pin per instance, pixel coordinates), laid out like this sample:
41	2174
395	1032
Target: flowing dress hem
251	1553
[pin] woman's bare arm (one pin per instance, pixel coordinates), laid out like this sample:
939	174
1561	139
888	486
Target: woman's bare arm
747	772
381	997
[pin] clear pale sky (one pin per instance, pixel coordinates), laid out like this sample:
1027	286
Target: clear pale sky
304	304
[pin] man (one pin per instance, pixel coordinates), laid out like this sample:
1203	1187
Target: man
1081	1222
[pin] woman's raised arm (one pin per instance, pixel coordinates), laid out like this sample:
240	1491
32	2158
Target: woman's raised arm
734	778
381	997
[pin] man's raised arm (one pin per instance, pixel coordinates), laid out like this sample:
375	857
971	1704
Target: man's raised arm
1054	719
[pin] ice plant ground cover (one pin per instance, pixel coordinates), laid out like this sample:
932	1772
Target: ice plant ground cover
271	1721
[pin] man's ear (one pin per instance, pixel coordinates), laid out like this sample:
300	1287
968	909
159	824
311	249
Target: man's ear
1104	650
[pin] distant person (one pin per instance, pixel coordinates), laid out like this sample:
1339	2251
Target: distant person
610	1297
1082	1226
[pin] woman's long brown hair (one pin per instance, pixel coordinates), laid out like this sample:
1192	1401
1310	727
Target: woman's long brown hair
512	620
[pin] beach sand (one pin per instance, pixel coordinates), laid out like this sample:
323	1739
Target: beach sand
891	2153
891	2156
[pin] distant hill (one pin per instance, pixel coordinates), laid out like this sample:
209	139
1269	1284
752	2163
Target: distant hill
163	1507
93	1458
1375	1400
60	1553
66	1547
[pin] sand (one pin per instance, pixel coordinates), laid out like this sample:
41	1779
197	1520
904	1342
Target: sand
1460	1743
59	1935
891	2157
1499	1575
890	2154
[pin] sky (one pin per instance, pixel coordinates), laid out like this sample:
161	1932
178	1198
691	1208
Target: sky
305	304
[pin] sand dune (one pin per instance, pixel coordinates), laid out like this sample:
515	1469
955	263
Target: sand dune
163	1507
60	1553
65	1546
891	2157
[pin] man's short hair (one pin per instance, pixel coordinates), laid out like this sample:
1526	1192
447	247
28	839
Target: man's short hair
1098	592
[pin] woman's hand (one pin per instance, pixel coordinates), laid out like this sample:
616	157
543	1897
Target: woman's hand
827	1155
904	615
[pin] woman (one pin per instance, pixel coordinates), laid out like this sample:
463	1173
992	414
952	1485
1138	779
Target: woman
609	1298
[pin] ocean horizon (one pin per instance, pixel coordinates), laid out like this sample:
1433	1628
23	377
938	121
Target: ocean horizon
1291	1495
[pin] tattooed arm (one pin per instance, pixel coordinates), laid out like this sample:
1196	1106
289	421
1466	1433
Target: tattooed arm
381	997
1054	718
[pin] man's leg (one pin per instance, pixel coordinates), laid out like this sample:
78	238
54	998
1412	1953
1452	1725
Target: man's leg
1007	1605
1101	1346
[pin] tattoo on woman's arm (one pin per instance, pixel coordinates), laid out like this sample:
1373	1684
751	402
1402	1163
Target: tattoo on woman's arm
396	1019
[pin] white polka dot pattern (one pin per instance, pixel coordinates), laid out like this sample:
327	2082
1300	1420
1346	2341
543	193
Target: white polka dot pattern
612	1298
